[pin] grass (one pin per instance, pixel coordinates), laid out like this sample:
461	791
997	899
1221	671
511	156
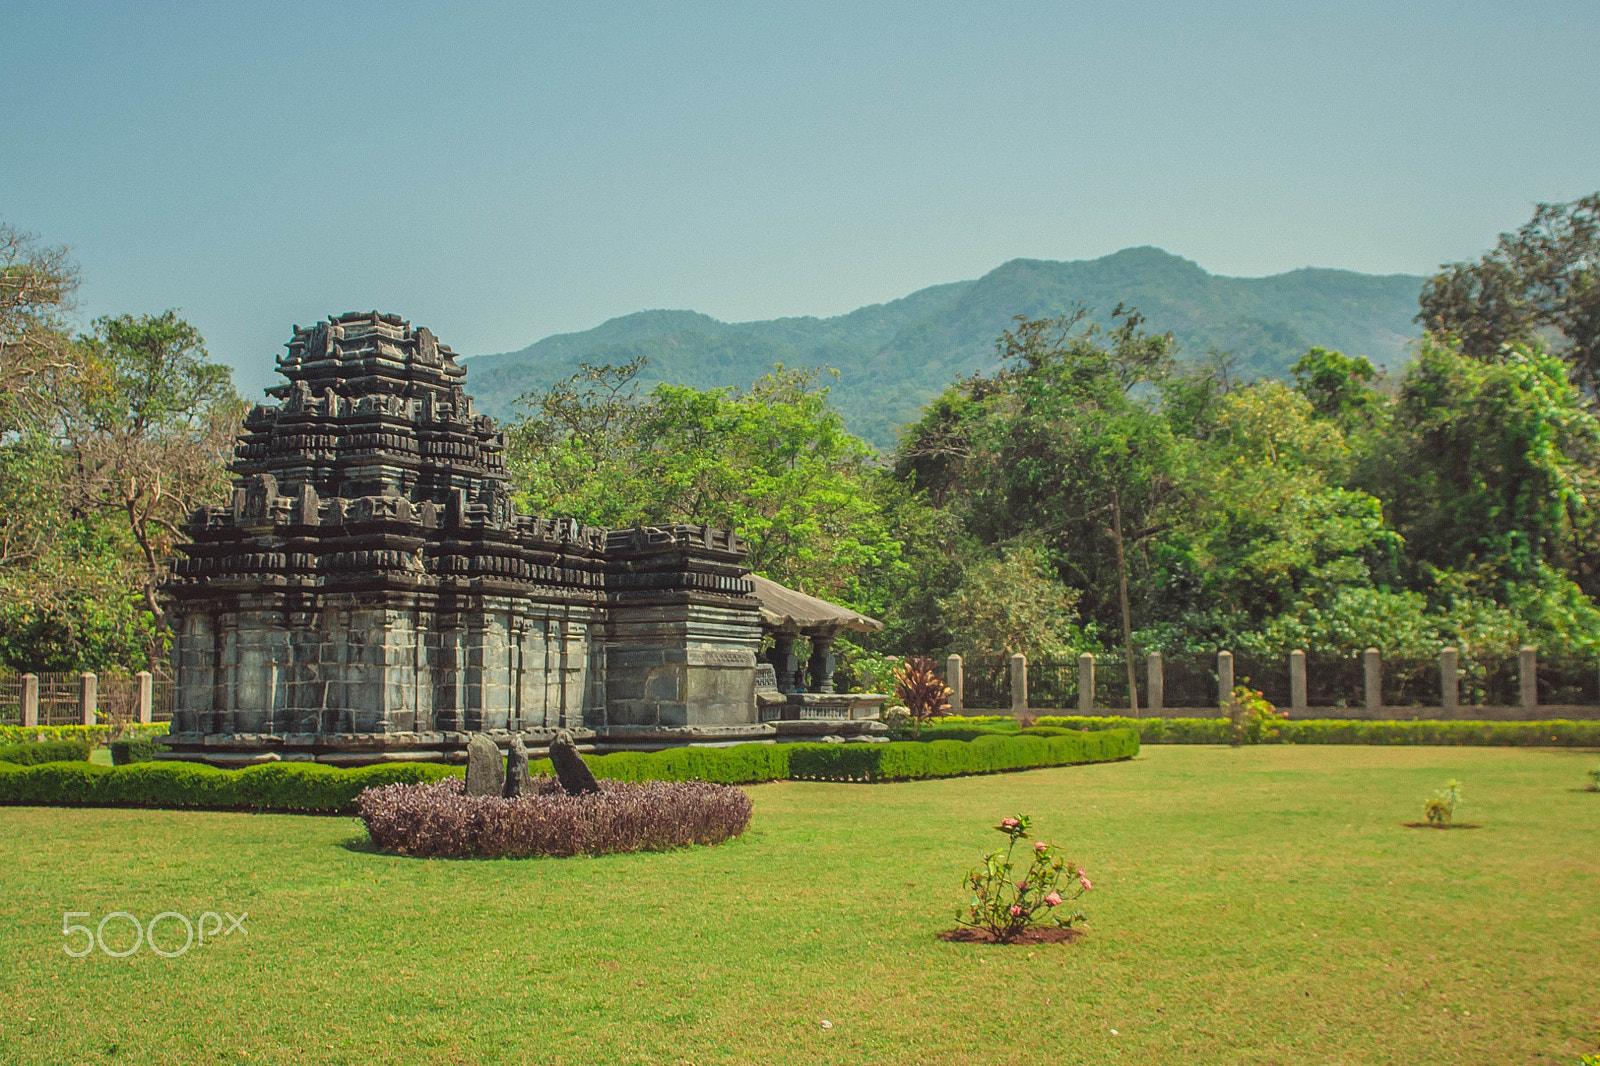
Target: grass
1260	905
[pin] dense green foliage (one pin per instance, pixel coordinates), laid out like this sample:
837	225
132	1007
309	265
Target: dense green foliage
1095	493
109	437
1545	277
1088	486
92	734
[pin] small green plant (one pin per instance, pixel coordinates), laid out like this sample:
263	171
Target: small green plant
1594	779
1251	717
1006	906
918	686
1442	806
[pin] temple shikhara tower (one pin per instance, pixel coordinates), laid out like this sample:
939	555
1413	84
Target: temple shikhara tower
370	592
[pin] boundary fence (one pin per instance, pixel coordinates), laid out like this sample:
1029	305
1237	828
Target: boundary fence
64	698
1364	686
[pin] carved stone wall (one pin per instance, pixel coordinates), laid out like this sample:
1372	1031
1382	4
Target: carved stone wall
371	588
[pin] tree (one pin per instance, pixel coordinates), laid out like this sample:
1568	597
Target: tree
773	462
1493	464
1340	388
1013	603
1073	454
37	284
1545	276
149	422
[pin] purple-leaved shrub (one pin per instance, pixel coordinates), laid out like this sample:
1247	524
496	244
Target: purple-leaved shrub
439	820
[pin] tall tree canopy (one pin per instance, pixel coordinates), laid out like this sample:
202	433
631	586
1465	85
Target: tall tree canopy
1544	277
107	439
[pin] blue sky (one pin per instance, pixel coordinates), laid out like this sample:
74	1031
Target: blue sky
500	172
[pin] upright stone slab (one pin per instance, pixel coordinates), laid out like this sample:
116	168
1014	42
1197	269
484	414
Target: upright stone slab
486	774
517	777
574	774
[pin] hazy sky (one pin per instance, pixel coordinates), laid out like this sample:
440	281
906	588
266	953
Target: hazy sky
500	172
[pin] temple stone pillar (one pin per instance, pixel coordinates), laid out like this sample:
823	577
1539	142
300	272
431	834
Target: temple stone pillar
785	663
821	664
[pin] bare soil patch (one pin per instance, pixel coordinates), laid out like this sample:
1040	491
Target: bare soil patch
1435	825
1043	934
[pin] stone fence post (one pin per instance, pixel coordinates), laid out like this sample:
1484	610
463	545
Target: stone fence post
1297	682
88	697
30	699
1155	681
1372	674
954	682
1224	680
1019	684
1449	681
147	695
1528	677
1086	684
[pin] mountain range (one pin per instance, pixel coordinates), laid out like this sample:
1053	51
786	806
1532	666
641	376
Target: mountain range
894	357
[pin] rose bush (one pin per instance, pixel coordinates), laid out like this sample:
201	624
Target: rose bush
1007	907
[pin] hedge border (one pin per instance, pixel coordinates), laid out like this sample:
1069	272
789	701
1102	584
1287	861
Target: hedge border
297	787
94	734
1549	733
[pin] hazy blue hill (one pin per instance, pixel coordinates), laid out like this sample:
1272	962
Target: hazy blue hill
893	357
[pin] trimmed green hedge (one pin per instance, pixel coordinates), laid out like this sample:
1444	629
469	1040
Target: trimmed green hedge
937	730
312	787
901	761
49	751
283	786
741	764
132	750
1553	733
94	734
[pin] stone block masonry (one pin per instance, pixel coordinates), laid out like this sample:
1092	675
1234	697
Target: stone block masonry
370	588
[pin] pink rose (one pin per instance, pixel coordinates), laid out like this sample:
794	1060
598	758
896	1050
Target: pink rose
1040	846
1009	823
1083	879
1053	900
1015	910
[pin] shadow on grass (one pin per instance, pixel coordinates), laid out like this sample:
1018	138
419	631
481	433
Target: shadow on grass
1436	825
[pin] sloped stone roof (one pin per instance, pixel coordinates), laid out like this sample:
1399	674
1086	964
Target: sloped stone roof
784	608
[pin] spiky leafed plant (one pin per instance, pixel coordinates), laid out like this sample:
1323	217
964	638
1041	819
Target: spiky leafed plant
921	690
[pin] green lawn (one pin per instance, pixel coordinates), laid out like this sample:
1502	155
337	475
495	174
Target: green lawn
1253	905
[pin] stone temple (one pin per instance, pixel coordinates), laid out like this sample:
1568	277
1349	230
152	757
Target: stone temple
371	593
